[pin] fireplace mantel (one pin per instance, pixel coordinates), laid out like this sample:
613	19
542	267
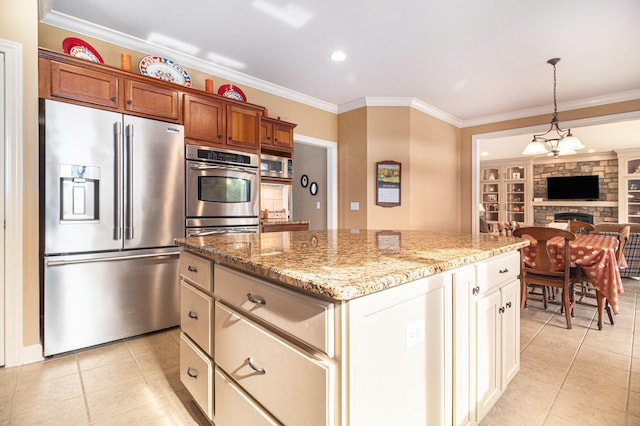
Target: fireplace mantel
561	203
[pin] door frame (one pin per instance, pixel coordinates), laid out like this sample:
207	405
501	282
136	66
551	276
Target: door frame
332	174
13	191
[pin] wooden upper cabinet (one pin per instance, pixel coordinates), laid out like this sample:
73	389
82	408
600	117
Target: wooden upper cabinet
86	85
204	120
243	126
276	134
152	100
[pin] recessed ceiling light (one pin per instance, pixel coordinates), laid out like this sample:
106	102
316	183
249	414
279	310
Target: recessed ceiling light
484	153
338	56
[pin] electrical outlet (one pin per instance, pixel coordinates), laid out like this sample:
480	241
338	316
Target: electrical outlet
355	205
413	334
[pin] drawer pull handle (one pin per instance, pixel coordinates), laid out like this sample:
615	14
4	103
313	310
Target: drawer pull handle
191	372
193	315
254	300
503	271
508	304
476	290
501	310
192	268
254	368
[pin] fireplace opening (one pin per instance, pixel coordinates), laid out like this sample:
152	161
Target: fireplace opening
582	217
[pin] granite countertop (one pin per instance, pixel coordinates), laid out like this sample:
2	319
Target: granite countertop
346	264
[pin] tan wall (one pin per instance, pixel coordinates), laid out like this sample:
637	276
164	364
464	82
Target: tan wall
466	135
352	168
311	121
18	23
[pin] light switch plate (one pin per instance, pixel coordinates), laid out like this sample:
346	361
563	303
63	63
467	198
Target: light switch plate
355	205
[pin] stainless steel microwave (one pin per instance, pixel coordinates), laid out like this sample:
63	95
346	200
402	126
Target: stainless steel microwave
273	166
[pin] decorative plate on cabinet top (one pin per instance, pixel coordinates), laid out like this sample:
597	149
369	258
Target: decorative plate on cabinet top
164	69
80	49
233	92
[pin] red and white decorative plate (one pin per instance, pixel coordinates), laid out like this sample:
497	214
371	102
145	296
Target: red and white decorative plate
164	69
81	49
233	92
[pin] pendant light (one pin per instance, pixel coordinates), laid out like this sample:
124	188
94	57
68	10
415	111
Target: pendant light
554	140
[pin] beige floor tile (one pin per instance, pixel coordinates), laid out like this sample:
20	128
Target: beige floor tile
543	371
68	412
181	408
116	353
634	403
45	395
107	375
510	411
53	368
159	361
602	366
635	382
116	399
633	420
164	383
559	421
154	342
151	413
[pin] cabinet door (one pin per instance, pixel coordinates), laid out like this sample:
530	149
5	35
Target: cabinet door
282	136
83	84
266	133
204	120
243	127
487	352
152	100
510	331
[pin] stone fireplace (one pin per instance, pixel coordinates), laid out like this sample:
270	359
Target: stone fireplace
607	170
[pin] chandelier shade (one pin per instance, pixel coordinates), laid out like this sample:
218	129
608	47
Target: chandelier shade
555	140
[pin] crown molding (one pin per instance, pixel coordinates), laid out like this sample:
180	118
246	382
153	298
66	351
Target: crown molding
566	106
118	38
414	103
121	39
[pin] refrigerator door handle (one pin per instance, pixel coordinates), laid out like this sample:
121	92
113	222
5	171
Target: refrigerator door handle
117	230
110	259
128	226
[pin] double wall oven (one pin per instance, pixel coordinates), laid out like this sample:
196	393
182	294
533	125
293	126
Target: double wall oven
222	191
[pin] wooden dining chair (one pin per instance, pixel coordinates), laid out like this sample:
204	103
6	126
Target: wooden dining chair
541	273
579	227
584	288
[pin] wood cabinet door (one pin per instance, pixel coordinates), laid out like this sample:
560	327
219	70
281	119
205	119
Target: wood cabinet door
152	100
266	133
243	127
83	84
282	135
204	120
487	352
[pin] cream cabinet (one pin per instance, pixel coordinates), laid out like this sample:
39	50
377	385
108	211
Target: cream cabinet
629	186
487	333
505	192
438	350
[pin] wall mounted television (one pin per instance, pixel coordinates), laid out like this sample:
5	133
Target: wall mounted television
573	188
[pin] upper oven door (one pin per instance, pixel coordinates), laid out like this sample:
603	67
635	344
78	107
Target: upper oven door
215	190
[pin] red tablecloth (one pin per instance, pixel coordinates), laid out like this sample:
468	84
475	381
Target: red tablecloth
596	254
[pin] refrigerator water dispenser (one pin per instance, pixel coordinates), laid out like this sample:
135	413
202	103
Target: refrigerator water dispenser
79	193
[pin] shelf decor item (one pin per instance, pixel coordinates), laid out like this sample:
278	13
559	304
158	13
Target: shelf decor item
233	92
80	49
388	175
164	69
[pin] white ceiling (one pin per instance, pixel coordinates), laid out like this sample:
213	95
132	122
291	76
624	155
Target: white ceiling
474	61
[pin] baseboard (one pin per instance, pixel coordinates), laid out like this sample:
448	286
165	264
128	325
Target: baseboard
32	354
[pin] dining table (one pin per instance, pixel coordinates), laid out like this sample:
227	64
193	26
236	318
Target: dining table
595	254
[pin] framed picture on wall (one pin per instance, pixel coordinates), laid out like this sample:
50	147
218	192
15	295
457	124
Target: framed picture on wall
388	175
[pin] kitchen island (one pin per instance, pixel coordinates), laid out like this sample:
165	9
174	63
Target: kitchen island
349	326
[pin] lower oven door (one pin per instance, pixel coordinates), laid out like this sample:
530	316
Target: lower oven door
220	191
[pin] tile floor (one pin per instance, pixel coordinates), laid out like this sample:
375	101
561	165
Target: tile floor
581	376
134	382
567	377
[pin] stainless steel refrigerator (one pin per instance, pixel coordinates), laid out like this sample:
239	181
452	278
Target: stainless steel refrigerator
112	202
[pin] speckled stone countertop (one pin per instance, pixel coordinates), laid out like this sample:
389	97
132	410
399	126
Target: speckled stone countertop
346	264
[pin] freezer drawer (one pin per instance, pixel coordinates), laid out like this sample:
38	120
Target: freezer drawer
94	299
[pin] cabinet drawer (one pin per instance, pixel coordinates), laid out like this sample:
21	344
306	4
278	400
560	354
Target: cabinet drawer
197	270
304	317
281	373
196	314
196	373
498	270
235	408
